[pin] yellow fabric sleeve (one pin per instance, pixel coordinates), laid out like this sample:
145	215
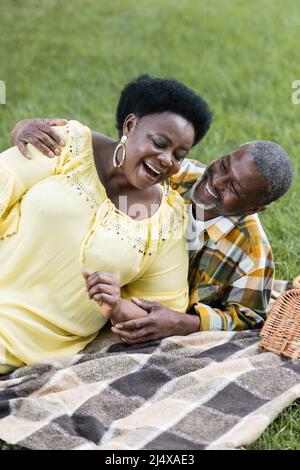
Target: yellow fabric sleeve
18	174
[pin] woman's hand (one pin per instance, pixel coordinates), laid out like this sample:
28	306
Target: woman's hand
40	134
105	290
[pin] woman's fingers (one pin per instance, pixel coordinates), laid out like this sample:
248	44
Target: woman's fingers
102	289
101	278
104	298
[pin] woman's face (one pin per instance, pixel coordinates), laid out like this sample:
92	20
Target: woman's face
156	147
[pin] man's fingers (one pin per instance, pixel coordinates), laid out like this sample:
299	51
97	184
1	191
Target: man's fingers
140	336
85	274
39	145
48	140
46	145
145	304
24	150
136	324
56	121
143	340
45	127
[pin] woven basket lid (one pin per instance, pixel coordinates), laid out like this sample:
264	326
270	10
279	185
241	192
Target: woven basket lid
281	332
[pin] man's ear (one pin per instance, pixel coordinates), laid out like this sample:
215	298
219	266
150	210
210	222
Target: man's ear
129	124
255	209
260	208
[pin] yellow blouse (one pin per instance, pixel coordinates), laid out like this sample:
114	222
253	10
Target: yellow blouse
56	221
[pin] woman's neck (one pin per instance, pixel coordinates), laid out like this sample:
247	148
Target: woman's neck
114	180
103	148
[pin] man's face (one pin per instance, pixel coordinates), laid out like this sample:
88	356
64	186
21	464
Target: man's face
230	185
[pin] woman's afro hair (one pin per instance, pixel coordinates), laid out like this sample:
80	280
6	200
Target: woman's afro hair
147	95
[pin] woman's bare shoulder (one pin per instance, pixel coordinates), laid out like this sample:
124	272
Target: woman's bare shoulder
101	140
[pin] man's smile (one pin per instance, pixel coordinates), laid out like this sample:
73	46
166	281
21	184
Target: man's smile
210	190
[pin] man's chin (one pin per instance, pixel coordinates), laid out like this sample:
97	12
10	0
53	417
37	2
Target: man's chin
201	205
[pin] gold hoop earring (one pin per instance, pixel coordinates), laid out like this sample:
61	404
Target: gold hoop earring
167	187
122	146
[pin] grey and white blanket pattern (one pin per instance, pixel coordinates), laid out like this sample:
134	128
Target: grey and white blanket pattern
208	390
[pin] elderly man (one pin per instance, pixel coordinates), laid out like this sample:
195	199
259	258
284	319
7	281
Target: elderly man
231	268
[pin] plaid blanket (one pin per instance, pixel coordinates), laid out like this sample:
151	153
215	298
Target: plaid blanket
208	390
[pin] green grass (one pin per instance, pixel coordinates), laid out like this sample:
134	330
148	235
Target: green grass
71	59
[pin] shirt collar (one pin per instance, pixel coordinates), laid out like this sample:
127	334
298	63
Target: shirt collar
222	227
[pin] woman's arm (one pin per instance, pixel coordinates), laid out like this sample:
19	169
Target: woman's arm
18	174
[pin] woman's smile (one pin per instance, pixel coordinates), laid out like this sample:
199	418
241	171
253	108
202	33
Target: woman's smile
150	172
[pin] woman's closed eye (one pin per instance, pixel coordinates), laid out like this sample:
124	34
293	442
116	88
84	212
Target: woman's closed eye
163	145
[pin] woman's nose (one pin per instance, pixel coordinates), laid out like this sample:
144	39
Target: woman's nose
166	158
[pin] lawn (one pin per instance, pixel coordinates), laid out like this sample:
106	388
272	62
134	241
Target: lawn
70	59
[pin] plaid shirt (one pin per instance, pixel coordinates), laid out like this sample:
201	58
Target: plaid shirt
231	272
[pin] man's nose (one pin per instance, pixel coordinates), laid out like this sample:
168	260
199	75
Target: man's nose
166	158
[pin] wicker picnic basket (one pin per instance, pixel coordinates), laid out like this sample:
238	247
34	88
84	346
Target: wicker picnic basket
281	332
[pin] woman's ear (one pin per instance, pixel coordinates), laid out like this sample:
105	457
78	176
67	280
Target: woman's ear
129	124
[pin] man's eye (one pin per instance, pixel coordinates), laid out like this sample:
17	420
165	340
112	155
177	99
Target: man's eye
223	164
233	190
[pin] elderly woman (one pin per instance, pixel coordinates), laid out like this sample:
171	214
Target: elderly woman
76	227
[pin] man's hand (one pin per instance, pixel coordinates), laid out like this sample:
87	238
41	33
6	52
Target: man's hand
159	323
40	134
105	290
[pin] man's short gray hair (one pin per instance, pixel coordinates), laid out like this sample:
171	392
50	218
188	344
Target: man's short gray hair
275	166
